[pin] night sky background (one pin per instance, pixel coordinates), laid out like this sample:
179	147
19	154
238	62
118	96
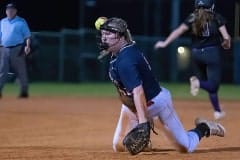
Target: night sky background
52	15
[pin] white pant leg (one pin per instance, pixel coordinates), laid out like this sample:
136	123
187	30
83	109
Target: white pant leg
163	108
127	121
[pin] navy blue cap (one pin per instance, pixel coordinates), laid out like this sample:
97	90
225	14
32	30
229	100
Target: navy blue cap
11	5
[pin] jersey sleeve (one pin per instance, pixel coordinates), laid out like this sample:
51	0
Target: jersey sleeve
220	20
25	29
189	20
129	74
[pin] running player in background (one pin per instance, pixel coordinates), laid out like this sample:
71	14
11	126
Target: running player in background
209	33
140	93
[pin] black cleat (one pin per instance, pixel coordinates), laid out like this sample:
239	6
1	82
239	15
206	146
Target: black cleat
215	129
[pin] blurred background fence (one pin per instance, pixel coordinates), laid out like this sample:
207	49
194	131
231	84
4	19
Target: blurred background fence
65	40
71	56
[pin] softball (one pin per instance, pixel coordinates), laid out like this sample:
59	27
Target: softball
99	22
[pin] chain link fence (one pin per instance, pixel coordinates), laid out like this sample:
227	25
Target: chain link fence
71	56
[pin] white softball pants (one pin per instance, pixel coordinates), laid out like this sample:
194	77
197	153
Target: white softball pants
164	110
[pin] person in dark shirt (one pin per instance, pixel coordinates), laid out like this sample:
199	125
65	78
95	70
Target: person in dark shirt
209	34
143	98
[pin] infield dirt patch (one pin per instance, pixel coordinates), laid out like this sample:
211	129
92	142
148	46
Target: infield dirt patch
75	128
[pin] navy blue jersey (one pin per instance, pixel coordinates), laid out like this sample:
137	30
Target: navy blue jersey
130	69
211	35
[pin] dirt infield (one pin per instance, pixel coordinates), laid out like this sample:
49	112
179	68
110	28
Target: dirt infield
73	128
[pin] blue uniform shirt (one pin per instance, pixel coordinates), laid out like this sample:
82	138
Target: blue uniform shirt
130	69
13	32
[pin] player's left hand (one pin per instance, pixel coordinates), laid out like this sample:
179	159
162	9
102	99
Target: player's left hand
160	44
138	138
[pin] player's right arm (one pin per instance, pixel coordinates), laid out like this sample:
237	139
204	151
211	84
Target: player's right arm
173	35
140	103
226	44
221	24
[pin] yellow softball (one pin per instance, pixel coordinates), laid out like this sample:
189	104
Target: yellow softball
99	22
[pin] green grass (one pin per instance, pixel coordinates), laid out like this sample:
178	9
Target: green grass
178	90
65	89
182	90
